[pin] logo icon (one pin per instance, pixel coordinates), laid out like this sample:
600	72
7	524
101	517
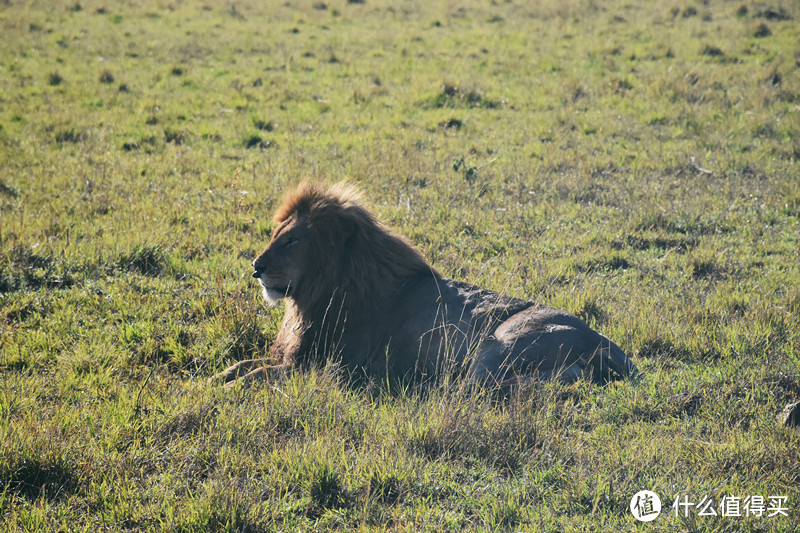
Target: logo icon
645	506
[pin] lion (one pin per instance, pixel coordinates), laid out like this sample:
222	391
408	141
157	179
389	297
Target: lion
362	295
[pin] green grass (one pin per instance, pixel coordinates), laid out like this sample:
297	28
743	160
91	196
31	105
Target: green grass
631	162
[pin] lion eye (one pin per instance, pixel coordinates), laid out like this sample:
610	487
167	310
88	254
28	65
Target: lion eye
289	243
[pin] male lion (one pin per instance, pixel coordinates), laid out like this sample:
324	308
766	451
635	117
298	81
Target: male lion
358	293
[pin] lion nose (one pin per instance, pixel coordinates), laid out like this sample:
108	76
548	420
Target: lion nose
259	265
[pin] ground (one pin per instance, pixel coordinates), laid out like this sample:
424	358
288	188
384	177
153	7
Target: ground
635	163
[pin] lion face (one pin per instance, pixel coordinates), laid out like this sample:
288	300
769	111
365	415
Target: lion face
280	267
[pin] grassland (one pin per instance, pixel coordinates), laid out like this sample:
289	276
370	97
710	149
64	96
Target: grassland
634	164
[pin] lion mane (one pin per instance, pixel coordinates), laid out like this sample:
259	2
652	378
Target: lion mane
369	260
358	293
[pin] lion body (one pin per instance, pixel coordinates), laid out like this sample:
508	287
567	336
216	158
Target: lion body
362	295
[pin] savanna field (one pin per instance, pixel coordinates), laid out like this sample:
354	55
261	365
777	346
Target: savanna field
635	163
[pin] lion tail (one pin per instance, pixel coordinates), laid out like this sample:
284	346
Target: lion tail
614	363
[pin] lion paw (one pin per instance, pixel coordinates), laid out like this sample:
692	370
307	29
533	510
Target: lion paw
235	371
246	372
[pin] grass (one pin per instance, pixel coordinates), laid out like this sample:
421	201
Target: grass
633	164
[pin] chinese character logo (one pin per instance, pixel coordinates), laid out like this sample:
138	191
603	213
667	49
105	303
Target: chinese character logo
730	505
645	506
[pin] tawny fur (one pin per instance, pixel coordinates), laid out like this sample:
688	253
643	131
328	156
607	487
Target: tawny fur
358	293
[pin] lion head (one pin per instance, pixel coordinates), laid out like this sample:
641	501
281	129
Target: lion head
282	265
327	247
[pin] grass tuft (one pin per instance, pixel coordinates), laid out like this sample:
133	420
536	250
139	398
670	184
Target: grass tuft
23	268
145	259
264	125
36	470
325	488
69	136
55	79
451	96
9	190
713	51
176	136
